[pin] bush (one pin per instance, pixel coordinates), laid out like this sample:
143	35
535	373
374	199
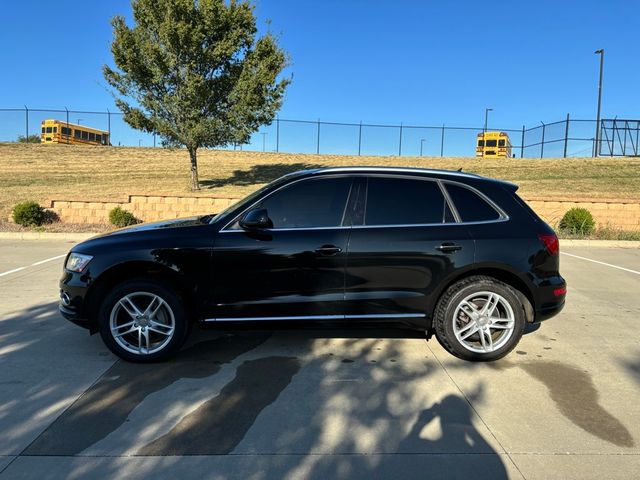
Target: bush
578	221
28	214
29	139
122	218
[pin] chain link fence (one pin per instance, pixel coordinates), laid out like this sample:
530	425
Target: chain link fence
564	138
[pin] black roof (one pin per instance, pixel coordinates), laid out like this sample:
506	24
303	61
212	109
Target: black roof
434	173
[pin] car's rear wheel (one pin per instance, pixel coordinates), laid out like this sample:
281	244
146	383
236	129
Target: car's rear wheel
479	319
143	321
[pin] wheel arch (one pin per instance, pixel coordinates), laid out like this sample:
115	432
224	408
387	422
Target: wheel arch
499	273
136	269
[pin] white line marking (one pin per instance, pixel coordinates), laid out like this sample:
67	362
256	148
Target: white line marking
601	263
12	271
47	260
9	272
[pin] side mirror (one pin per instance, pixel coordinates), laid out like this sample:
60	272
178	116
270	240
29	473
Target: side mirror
257	218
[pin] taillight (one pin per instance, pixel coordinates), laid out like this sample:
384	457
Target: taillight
551	243
560	291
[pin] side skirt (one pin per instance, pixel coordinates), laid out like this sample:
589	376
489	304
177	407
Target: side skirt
380	316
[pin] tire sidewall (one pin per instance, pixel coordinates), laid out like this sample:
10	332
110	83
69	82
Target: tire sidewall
444	326
168	295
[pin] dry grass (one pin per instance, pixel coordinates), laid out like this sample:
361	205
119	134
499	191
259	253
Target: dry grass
45	172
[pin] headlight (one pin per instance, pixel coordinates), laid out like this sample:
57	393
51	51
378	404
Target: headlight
76	262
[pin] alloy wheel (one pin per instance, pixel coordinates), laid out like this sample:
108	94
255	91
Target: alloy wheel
483	322
142	323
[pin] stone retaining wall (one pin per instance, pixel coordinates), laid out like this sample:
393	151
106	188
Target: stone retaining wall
620	215
147	208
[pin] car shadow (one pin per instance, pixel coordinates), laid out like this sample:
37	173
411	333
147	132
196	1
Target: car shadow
320	402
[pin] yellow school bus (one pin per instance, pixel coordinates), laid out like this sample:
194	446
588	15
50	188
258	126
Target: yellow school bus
493	145
59	131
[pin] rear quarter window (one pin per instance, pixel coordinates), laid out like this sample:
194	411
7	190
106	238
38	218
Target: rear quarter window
471	206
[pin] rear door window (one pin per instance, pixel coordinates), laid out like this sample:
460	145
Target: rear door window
402	201
470	206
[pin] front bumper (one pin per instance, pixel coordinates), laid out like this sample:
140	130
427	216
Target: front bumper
72	316
73	289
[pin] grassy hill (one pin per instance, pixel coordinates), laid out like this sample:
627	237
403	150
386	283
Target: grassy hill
43	172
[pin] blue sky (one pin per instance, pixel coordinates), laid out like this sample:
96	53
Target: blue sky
416	62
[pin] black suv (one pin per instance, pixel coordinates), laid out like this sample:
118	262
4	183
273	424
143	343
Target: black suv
455	254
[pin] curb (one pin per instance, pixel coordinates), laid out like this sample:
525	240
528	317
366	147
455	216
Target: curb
599	243
76	237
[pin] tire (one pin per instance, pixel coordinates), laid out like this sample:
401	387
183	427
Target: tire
143	321
467	331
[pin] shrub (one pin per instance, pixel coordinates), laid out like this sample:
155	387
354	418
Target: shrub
578	221
28	214
29	139
122	218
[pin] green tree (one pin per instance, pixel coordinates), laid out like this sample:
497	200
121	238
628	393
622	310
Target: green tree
35	138
197	72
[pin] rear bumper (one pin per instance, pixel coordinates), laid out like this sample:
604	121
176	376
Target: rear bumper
551	296
548	311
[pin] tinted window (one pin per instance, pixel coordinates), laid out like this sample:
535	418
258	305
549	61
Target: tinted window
77	133
471	206
501	143
85	135
309	203
401	201
92	137
98	138
49	129
492	143
481	143
42	129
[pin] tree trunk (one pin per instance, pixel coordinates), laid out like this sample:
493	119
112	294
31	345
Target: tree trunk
195	184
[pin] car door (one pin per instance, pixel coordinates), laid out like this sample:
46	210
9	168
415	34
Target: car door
404	244
295	269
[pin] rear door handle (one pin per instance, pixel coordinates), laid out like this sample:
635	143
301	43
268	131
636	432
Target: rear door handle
328	250
449	247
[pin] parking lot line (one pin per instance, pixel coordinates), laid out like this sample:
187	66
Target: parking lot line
601	263
19	269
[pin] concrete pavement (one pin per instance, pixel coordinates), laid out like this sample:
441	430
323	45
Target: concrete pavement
322	403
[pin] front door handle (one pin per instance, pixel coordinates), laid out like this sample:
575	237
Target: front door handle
328	250
449	247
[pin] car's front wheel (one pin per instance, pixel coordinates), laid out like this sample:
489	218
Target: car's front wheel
143	321
480	319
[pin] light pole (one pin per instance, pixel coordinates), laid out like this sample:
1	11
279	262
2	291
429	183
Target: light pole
264	141
486	118
484	130
422	140
601	52
139	142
